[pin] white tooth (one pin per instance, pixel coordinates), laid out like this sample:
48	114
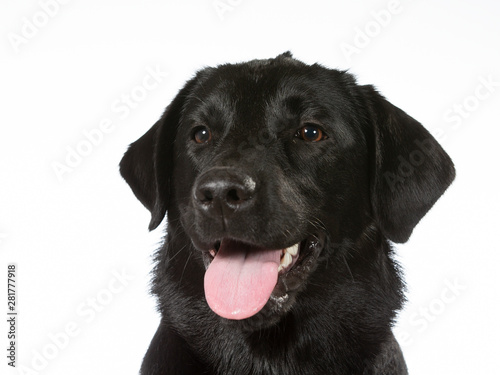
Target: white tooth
287	260
293	250
287	256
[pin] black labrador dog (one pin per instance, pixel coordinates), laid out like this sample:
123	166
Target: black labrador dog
282	184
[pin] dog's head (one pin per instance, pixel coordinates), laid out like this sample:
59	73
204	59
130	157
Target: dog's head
262	164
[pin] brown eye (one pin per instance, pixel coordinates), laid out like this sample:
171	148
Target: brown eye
311	133
202	135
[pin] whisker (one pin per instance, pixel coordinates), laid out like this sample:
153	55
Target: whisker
177	253
184	269
348	268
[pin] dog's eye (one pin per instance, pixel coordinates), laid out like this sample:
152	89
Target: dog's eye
311	133
202	135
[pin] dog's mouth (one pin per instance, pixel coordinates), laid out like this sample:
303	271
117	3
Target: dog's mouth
241	279
288	257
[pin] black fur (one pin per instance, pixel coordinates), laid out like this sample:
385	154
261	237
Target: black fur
370	180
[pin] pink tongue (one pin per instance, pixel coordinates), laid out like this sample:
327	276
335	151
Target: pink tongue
240	279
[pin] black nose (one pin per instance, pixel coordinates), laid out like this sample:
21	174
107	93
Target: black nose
223	191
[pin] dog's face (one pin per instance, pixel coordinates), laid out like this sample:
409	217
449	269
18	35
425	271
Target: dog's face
266	166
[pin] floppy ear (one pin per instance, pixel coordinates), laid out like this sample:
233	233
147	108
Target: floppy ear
137	168
147	164
410	171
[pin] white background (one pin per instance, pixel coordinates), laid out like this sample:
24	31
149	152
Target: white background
65	69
